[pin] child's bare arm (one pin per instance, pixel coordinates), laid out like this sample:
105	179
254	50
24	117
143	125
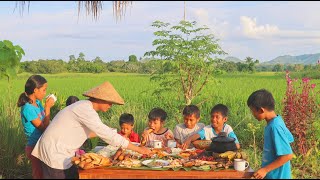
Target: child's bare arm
262	172
186	144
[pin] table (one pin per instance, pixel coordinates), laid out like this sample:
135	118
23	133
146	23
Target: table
121	173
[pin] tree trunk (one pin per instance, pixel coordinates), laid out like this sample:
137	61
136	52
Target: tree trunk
188	101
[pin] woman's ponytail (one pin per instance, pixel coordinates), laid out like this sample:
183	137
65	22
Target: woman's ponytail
23	99
34	81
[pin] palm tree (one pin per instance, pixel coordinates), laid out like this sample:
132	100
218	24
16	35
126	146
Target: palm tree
94	7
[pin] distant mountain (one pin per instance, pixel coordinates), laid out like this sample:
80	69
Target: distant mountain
301	59
232	59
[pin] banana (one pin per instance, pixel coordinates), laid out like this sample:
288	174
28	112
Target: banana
238	155
232	155
244	155
225	154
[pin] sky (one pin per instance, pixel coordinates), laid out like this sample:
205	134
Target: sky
263	30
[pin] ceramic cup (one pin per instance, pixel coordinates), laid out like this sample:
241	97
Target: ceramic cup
172	143
157	144
240	164
52	96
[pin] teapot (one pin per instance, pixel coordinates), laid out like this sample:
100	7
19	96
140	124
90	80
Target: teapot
222	143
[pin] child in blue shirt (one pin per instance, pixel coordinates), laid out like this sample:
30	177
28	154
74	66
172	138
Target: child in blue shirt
219	116
277	151
35	118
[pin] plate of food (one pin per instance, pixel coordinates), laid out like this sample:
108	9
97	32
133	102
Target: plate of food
155	163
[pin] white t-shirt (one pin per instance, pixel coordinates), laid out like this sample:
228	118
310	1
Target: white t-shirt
68	131
182	133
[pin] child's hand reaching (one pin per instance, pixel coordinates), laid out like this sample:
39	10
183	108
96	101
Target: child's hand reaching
186	144
168	136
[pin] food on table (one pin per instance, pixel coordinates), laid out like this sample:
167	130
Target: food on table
174	163
106	151
199	159
155	163
130	163
91	160
144	140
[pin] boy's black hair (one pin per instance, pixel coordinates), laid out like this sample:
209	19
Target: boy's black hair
261	99
157	113
126	118
223	109
71	100
191	109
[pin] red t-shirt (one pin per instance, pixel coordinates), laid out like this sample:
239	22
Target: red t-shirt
134	137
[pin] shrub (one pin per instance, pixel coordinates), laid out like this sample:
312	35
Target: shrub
300	113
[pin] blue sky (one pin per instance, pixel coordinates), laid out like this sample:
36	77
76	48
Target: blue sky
259	29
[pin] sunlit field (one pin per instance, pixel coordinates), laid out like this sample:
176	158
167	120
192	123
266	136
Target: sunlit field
136	89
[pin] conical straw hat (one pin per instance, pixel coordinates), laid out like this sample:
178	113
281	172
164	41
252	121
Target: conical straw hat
105	92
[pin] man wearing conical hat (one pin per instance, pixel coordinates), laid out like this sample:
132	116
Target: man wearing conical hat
71	127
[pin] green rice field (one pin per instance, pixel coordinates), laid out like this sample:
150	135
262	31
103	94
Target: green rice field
136	90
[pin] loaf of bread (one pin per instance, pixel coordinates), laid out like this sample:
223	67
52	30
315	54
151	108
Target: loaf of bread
91	160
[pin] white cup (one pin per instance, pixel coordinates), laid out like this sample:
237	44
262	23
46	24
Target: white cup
52	96
172	143
240	164
157	144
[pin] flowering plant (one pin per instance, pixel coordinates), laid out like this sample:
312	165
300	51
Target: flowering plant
299	112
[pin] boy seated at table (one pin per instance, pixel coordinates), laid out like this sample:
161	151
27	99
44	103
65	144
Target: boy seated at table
191	125
156	129
126	122
219	117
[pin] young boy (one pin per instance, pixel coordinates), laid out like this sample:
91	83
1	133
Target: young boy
156	129
191	117
277	151
126	122
71	100
219	117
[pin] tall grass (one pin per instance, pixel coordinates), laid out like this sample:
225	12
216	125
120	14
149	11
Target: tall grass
229	89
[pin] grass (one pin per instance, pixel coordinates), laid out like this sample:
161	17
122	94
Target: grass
136	89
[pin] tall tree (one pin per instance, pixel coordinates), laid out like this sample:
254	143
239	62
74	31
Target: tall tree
133	58
10	57
190	50
251	64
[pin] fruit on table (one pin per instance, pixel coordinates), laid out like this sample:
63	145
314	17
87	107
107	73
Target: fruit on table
230	155
226	154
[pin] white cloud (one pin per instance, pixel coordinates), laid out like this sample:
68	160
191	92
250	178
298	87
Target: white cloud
267	30
220	28
252	30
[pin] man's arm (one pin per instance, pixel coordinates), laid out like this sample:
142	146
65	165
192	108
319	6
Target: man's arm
262	172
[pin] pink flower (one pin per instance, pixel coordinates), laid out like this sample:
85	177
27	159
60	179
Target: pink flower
305	79
79	152
313	86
